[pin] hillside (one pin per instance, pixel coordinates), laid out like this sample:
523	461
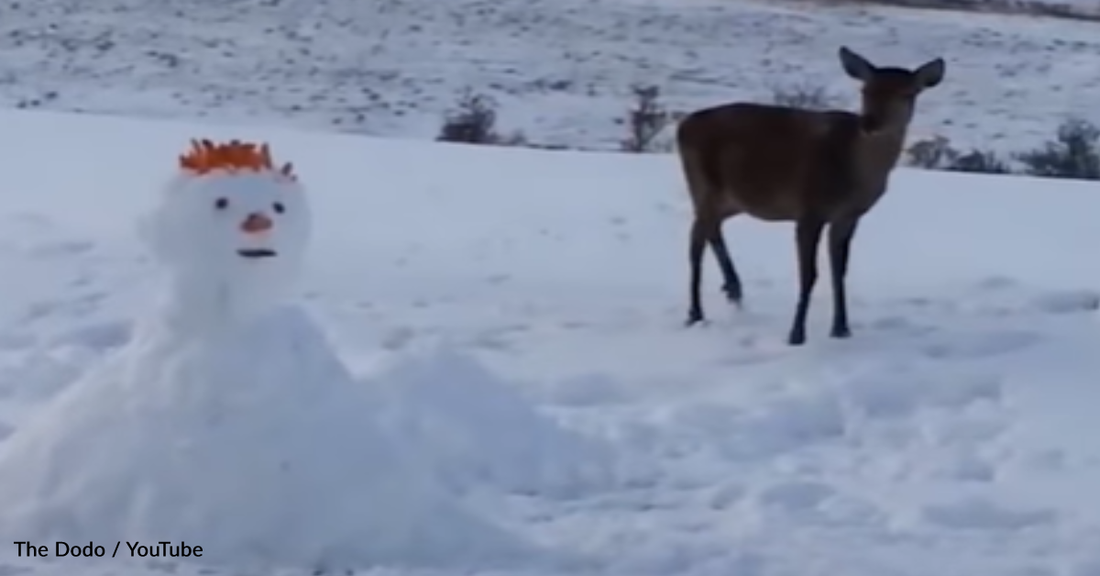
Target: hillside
561	70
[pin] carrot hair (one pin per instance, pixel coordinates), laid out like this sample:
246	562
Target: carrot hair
234	156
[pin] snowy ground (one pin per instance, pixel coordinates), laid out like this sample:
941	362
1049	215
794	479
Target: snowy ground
560	69
953	435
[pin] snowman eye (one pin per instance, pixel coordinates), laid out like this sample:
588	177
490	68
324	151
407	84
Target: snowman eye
279	208
221	203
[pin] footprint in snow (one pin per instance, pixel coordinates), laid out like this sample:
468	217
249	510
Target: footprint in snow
899	325
81	305
38	310
61	249
399	337
981	345
812	502
86	303
726	496
997	283
26	224
100	336
983	514
498	339
82	280
1067	302
796	496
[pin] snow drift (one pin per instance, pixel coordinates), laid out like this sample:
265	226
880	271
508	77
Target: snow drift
283	470
475	429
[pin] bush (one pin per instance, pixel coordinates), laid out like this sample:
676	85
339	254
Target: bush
936	153
1074	154
931	154
645	120
979	161
473	121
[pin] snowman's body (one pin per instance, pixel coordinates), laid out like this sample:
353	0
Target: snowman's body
228	422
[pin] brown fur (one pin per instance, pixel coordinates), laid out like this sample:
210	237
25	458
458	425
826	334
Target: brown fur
814	168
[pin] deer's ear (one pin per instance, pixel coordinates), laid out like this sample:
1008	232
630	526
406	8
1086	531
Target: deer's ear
855	65
931	73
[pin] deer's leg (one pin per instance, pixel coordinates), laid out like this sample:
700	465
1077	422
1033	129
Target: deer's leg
701	231
840	243
808	235
731	281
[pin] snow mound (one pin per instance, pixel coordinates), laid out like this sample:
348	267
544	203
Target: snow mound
255	444
476	429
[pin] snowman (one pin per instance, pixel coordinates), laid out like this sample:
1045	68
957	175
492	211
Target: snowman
228	422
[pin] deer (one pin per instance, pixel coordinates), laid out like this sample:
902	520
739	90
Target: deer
815	168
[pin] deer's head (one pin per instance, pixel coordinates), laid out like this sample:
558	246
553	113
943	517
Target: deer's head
890	93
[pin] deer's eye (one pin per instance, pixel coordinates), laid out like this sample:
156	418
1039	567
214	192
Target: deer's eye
221	203
279	208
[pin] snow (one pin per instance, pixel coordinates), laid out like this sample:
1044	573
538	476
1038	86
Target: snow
450	412
253	445
228	420
513	318
561	70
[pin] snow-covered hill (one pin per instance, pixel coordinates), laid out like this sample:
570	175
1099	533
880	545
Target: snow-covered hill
561	69
953	435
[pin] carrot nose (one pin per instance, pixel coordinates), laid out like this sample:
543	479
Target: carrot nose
256	223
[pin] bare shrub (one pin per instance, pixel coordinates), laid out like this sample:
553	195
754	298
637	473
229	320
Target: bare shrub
473	121
1075	153
931	153
804	96
645	120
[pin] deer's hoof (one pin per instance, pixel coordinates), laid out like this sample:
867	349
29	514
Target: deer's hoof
796	338
694	317
733	294
840	332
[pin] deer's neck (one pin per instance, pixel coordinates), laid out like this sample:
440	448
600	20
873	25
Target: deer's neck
878	153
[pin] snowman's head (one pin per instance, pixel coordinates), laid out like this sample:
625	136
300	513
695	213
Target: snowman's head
231	219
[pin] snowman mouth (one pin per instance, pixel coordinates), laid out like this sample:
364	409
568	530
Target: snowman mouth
256	253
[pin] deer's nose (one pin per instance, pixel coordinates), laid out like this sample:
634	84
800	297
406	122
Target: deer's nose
256	223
